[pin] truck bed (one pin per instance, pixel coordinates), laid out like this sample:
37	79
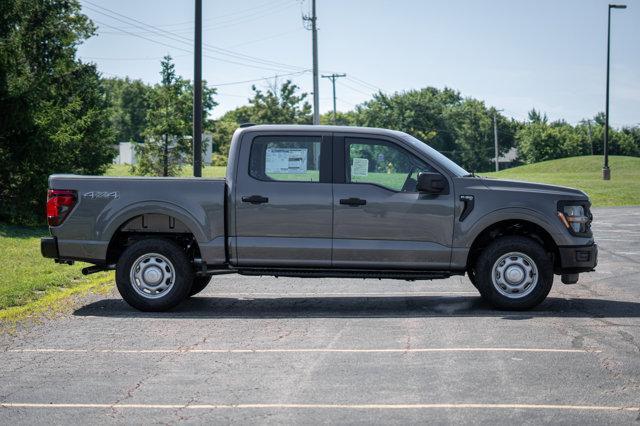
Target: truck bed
106	205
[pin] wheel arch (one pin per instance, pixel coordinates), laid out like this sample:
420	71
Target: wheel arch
161	220
507	227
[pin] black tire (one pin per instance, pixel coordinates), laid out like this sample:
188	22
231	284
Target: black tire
179	280
471	274
199	284
535	253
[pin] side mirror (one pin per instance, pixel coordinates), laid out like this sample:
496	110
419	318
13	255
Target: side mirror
432	183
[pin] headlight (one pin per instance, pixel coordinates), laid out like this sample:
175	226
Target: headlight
576	217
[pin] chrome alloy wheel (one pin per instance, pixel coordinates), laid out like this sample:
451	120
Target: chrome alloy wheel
514	275
152	275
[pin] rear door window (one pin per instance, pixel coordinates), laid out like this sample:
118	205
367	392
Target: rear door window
289	159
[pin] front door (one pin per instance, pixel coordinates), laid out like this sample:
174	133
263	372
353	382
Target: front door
380	221
284	201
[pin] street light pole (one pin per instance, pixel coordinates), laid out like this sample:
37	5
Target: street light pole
606	172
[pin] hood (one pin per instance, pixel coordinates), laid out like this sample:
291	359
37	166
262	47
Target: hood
532	187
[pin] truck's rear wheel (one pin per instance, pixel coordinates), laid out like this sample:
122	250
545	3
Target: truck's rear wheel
154	275
514	272
199	284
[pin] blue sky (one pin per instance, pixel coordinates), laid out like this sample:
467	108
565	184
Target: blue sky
515	55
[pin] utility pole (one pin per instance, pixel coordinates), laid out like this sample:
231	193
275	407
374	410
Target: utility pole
589	129
333	77
314	40
495	139
197	92
606	172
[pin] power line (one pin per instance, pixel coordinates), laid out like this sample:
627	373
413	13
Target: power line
271	8
231	83
265	64
154	58
269	37
364	83
184	40
190	51
354	89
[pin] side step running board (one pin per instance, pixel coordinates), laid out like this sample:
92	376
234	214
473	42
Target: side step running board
347	273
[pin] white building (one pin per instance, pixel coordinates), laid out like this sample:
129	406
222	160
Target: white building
127	151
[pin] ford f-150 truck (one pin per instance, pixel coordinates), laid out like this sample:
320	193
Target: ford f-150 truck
322	201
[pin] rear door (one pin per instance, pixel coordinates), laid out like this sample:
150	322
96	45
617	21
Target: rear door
284	200
380	220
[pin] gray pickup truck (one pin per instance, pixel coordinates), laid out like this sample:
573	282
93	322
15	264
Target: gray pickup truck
322	201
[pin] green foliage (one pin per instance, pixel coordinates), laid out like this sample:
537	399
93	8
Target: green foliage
460	128
541	141
278	105
169	121
52	106
129	102
585	173
342	118
26	276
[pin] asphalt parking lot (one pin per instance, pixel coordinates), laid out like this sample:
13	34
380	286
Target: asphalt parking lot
267	350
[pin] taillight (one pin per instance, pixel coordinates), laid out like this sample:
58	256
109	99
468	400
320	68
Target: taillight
59	205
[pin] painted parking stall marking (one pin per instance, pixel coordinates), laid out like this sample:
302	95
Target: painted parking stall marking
299	350
467	406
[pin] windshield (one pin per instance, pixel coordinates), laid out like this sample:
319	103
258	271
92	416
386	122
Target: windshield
441	159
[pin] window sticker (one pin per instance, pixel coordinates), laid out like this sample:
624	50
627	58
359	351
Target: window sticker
360	167
286	160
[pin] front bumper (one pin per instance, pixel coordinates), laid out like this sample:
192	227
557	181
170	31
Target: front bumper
49	247
576	259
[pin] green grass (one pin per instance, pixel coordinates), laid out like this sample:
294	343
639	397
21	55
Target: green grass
585	173
207	171
27	278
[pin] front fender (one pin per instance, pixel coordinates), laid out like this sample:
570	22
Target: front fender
466	232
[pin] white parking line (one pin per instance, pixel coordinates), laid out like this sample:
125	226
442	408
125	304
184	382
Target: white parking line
298	350
325	406
320	294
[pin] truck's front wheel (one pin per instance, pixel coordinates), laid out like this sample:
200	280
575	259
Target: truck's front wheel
154	275
199	284
514	272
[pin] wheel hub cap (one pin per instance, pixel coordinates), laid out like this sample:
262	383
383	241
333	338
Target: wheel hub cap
152	275
514	275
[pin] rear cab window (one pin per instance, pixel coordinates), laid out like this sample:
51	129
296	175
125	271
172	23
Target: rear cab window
290	159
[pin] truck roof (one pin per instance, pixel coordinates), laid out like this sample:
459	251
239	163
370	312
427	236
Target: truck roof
319	128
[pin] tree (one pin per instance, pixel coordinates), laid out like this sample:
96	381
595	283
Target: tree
280	105
460	128
128	107
472	124
342	118
421	113
52	106
539	141
536	116
168	131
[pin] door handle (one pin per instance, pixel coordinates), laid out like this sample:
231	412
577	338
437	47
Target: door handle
354	202
255	199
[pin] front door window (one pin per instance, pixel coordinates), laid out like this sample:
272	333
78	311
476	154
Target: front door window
382	163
